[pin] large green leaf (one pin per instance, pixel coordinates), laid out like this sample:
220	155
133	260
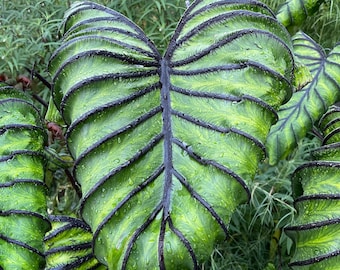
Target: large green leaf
317	199
23	215
293	13
164	146
307	105
68	245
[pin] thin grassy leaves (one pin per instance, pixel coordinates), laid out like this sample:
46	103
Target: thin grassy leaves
27	33
164	147
307	105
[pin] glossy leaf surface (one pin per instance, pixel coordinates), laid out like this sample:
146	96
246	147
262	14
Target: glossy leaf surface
164	146
23	216
307	105
68	245
317	192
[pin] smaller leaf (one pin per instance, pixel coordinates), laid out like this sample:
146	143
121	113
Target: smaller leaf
294	12
316	188
306	106
68	245
23	211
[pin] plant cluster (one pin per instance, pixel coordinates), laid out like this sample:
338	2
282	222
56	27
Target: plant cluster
257	237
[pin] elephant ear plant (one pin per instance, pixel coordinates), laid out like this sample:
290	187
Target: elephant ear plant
317	199
293	13
308	104
68	245
316	183
165	146
23	213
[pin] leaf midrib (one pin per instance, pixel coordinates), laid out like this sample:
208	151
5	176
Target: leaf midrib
167	132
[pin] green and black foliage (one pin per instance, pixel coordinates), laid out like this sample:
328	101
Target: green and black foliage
23	213
68	245
160	125
293	13
166	139
309	103
317	200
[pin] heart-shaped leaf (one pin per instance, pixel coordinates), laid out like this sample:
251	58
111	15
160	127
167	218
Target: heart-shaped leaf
164	146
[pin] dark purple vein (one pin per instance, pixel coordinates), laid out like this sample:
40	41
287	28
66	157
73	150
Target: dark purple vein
71	224
75	264
108	55
71	248
231	67
219	129
116	16
205	94
23	181
187	17
185	242
202	201
313	225
132	193
167	131
315	259
138	232
115	133
229	39
106	77
91	31
137	156
321	196
213	163
21	244
112	104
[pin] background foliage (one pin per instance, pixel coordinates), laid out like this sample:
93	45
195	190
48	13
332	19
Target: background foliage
29	35
29	29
